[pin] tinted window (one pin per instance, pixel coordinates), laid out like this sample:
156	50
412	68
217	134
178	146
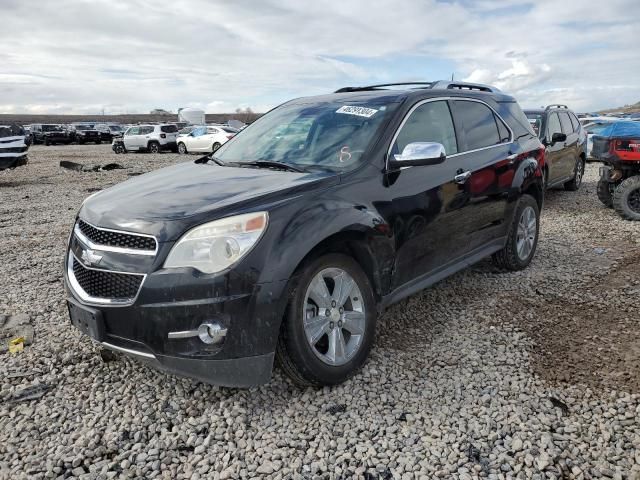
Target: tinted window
554	125
430	122
169	128
566	122
505	136
574	122
146	130
479	124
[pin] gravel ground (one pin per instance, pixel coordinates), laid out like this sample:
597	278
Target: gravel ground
532	374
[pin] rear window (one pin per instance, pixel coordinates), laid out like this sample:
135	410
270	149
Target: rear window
169	128
574	122
479	122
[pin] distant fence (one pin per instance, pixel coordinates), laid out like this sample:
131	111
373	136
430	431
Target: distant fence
27	119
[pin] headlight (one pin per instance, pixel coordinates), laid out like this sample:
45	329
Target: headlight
217	245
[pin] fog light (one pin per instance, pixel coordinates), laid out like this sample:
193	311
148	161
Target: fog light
211	333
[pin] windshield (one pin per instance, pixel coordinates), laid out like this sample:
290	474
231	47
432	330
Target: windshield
84	127
535	120
329	134
51	128
596	128
115	128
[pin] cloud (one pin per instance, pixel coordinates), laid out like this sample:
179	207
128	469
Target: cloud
135	55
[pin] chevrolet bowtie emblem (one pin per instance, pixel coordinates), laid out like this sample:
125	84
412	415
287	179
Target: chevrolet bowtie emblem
89	257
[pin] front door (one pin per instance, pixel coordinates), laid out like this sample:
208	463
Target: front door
131	138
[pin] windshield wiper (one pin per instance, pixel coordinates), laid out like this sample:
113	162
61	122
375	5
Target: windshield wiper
215	160
272	164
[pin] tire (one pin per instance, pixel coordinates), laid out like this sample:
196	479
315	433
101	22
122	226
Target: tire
603	190
153	147
47	143
578	173
215	147
514	256
99	142
182	148
626	198
318	364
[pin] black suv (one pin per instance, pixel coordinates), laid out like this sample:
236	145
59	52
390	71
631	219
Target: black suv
85	133
49	134
289	240
565	141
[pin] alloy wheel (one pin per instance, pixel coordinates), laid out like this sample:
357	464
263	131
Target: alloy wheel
526	234
579	172
334	316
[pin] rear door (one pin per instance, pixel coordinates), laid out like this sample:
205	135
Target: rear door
484	171
571	145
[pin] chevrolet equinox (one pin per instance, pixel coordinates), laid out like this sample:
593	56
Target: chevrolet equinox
288	241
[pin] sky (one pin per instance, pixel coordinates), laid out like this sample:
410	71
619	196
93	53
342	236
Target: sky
130	56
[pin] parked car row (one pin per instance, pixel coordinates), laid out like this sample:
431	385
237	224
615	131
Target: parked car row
55	134
160	137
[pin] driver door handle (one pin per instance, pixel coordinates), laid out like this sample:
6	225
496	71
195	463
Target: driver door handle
462	178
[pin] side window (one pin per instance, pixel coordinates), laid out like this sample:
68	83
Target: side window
479	123
133	131
430	122
554	125
146	130
574	122
566	123
505	136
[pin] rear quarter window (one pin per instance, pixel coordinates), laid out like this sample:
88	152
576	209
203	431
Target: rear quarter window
567	128
479	123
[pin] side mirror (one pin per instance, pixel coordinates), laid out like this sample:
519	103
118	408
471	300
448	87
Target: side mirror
558	137
418	154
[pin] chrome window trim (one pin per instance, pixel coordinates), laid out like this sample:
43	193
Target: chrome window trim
436	99
107	248
88	299
128	351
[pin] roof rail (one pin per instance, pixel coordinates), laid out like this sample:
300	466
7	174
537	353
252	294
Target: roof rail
555	105
376	87
446	84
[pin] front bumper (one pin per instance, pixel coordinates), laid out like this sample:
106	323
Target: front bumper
179	300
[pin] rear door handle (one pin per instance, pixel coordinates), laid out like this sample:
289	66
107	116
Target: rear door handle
462	178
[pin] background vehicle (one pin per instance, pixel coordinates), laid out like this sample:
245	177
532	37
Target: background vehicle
13	147
594	127
50	134
618	146
565	142
151	138
290	239
108	131
85	133
191	116
204	139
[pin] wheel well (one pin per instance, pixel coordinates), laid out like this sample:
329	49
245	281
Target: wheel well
536	192
354	245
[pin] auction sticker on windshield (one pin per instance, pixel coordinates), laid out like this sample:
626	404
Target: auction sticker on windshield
359	111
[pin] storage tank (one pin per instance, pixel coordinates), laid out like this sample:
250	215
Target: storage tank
193	116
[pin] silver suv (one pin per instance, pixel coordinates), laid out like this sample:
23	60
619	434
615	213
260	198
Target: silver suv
151	138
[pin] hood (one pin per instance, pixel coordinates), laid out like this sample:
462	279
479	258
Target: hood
167	202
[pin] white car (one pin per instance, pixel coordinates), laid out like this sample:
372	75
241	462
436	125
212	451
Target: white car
151	138
594	127
204	139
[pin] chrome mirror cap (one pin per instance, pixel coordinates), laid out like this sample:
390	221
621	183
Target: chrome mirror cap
417	151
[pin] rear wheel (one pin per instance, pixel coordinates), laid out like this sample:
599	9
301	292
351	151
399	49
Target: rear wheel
215	147
522	240
154	147
330	323
604	191
182	148
626	198
574	184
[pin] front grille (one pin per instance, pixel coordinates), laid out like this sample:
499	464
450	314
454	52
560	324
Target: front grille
116	239
105	284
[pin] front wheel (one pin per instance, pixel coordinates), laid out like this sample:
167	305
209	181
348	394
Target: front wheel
574	184
215	146
626	198
330	322
522	240
182	148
